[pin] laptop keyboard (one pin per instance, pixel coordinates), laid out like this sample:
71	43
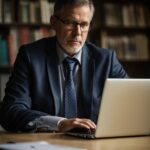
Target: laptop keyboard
82	132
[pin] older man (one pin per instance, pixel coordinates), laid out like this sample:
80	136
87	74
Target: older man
57	82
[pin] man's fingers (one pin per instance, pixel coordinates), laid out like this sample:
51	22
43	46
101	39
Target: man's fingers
90	123
68	124
86	123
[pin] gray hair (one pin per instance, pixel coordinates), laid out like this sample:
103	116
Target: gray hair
59	5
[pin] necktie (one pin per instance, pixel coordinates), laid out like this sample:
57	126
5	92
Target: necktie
70	101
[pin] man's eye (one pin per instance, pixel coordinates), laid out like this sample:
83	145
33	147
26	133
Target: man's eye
68	22
84	24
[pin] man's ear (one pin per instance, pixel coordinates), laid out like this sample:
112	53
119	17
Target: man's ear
53	22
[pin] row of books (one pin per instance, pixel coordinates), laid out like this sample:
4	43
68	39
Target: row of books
25	11
9	44
134	47
131	15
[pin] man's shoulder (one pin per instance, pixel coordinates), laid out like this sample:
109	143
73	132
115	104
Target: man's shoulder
37	52
40	44
95	50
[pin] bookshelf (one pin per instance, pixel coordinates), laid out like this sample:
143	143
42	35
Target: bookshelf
124	26
21	22
120	25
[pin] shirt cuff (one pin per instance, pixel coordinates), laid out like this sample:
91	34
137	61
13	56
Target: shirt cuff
46	123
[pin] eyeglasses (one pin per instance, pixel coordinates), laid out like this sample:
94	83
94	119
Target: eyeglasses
71	24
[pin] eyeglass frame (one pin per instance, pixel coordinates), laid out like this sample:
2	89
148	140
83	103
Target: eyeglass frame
73	24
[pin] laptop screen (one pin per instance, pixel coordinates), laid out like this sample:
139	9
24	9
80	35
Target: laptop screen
125	108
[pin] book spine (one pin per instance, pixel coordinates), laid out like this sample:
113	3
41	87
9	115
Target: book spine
7	12
34	12
46	8
147	15
24	35
1	12
3	52
140	16
112	14
133	47
24	11
11	50
43	11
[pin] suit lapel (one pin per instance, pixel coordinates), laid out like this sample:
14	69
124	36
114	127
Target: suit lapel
87	72
53	74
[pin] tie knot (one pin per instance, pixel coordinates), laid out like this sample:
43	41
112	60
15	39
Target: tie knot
70	63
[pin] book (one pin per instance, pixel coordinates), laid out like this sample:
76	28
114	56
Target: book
11	49
43	8
130	48
24	11
140	16
15	39
34	9
112	14
113	42
3	52
51	9
141	42
147	15
1	12
104	40
132	15
46	8
126	18
129	15
7	11
24	35
119	48
43	32
32	12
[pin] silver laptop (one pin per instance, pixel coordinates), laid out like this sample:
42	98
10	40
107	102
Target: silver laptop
124	110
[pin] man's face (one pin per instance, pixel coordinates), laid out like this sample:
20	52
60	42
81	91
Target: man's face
71	27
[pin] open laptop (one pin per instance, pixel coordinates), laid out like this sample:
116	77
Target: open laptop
124	110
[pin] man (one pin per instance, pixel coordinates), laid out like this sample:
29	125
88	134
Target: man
36	95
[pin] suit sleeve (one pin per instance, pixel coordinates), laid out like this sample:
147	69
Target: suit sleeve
16	111
117	70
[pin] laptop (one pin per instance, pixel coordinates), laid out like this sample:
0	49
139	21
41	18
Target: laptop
124	110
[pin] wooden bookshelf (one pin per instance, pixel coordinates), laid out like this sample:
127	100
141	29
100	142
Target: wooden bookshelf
18	9
17	24
107	22
19	21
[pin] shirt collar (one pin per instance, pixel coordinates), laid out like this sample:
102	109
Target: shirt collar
62	55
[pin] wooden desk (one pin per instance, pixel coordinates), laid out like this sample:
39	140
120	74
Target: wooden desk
131	143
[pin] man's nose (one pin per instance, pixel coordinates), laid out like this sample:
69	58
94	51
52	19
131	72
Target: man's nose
77	30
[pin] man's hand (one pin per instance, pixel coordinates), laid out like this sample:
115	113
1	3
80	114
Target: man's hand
68	124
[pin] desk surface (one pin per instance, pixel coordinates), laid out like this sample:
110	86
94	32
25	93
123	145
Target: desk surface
130	143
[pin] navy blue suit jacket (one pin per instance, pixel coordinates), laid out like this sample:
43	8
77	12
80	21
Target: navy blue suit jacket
33	89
